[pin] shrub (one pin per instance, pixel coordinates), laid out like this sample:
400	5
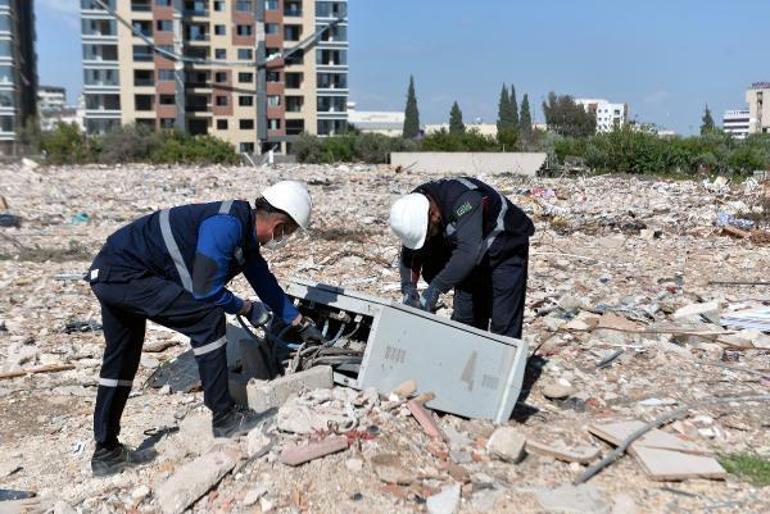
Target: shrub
65	144
129	143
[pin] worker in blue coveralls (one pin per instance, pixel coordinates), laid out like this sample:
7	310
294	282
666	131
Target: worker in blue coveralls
172	267
464	235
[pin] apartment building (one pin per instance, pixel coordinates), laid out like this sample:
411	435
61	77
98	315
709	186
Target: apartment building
18	70
51	98
758	98
608	115
233	82
737	123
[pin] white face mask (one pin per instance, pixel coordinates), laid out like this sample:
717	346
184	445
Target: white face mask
276	244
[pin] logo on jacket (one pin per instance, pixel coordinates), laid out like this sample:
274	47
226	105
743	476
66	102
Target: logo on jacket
464	209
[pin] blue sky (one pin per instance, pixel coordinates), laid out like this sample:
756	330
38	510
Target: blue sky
666	58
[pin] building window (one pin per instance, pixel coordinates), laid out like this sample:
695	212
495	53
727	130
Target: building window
294	80
143	78
164	26
274	124
246	147
294	104
219	5
167	123
272	28
328	57
271	5
220	76
292	32
6	123
243	30
142	53
167	99
295	127
332	80
330	9
273	76
221	101
292	8
245	78
166	75
244	5
142	27
144	102
246	124
245	101
245	54
163	3
273	101
220	54
221	124
220	30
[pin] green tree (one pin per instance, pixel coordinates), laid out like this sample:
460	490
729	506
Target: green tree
707	122
456	125
566	118
525	120
514	116
504	111
411	113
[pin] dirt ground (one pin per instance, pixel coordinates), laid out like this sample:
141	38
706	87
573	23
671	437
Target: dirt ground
637	248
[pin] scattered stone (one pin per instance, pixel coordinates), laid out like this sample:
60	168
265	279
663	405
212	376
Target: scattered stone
266	505
388	468
194	479
140	492
406	389
507	444
568	499
158	346
253	495
709	310
257	443
296	455
149	362
445	502
297	418
556	391
354	465
560	451
264	395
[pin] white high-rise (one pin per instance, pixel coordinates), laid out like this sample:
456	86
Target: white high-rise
608	115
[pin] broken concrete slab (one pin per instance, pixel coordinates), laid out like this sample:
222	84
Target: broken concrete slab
300	454
299	418
445	502
559	450
570	499
708	310
507	444
264	395
196	478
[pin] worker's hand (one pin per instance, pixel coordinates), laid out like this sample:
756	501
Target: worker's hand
429	299
411	298
308	332
258	315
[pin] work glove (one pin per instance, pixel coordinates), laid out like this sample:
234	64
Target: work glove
411	298
308	332
429	299
258	315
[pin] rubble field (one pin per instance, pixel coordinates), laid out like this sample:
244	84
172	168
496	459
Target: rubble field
630	280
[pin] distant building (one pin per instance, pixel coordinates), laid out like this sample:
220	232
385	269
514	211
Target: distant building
485	129
737	123
18	70
51	99
608	115
758	98
388	123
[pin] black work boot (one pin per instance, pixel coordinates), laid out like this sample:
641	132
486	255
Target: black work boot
112	459
237	421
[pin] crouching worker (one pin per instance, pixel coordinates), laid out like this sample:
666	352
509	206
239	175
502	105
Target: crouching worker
172	267
463	234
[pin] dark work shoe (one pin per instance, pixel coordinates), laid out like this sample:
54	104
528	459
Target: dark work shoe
238	421
109	461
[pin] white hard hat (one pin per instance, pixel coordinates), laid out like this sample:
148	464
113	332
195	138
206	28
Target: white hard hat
409	219
292	198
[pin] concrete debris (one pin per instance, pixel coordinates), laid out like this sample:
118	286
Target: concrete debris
570	499
406	389
298	417
445	502
622	251
426	419
296	455
195	479
557	391
508	444
264	395
709	310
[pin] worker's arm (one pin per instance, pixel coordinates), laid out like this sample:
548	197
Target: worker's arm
218	237
266	286
469	216
409	267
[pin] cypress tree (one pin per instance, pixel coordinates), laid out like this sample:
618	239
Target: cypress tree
707	122
514	109
411	113
525	120
504	111
456	125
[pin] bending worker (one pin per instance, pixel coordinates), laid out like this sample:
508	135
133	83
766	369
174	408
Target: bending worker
463	234
172	267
